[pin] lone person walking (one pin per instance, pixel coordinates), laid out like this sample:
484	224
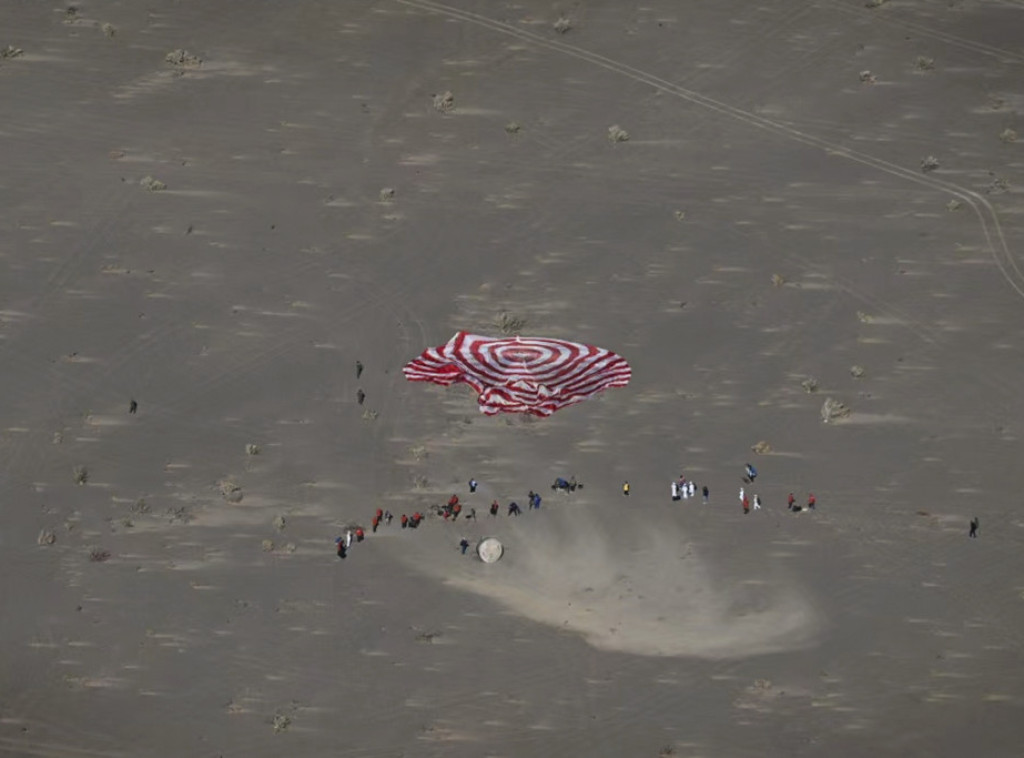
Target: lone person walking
625	488
974	527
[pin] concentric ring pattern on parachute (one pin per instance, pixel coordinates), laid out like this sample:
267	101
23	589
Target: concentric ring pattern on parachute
532	375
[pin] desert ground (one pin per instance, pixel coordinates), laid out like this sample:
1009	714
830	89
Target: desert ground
217	209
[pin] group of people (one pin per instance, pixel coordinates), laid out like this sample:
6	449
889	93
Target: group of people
450	511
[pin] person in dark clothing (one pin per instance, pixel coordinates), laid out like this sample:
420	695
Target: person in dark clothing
751	473
974	527
464	544
133	407
387	517
360	396
471	514
532	495
472	485
342	552
359	369
514	509
707	493
494	508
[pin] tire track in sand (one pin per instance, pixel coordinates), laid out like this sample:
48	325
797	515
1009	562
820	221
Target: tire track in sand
983	210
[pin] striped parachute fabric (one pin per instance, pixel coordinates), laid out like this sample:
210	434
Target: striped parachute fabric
521	374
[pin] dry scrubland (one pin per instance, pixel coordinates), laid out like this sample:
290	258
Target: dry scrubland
799	221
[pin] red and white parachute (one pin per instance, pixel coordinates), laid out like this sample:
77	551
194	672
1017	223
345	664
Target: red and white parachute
521	374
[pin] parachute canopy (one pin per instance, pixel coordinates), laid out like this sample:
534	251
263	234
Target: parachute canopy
521	374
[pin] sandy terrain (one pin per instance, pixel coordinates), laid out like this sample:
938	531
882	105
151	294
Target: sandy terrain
216	209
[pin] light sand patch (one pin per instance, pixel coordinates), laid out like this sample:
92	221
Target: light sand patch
639	590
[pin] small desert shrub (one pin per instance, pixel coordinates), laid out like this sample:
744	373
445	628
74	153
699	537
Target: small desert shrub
80	474
833	409
444	102
617	134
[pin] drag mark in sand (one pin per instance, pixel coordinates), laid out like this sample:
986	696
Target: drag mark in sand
983	210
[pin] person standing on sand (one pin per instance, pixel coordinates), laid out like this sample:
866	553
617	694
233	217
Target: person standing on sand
464	544
811	501
751	472
757	502
133	407
742	495
387	518
693	489
359	369
675	490
472	485
375	523
405	521
974	527
342	550
456	510
360	396
746	504
514	509
684	489
706	493
471	514
790	500
494	508
625	488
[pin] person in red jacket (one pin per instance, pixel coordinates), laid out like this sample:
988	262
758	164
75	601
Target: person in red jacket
456	510
360	534
405	521
376	523
811	502
494	508
790	501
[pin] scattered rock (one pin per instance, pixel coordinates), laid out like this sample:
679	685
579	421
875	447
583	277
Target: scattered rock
864	318
679	215
874	3
109	30
231	492
810	384
929	164
924	63
58	437
290	547
509	324
140	506
252	449
1008	135
617	134
281	722
419	452
562	25
513	127
127	522
762	684
279	523
387	194
856	371
10	52
80	474
99	555
778	280
761	448
369	415
267	546
151	184
444	102
954	205
71	14
46	537
832	409
183	59
867	77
